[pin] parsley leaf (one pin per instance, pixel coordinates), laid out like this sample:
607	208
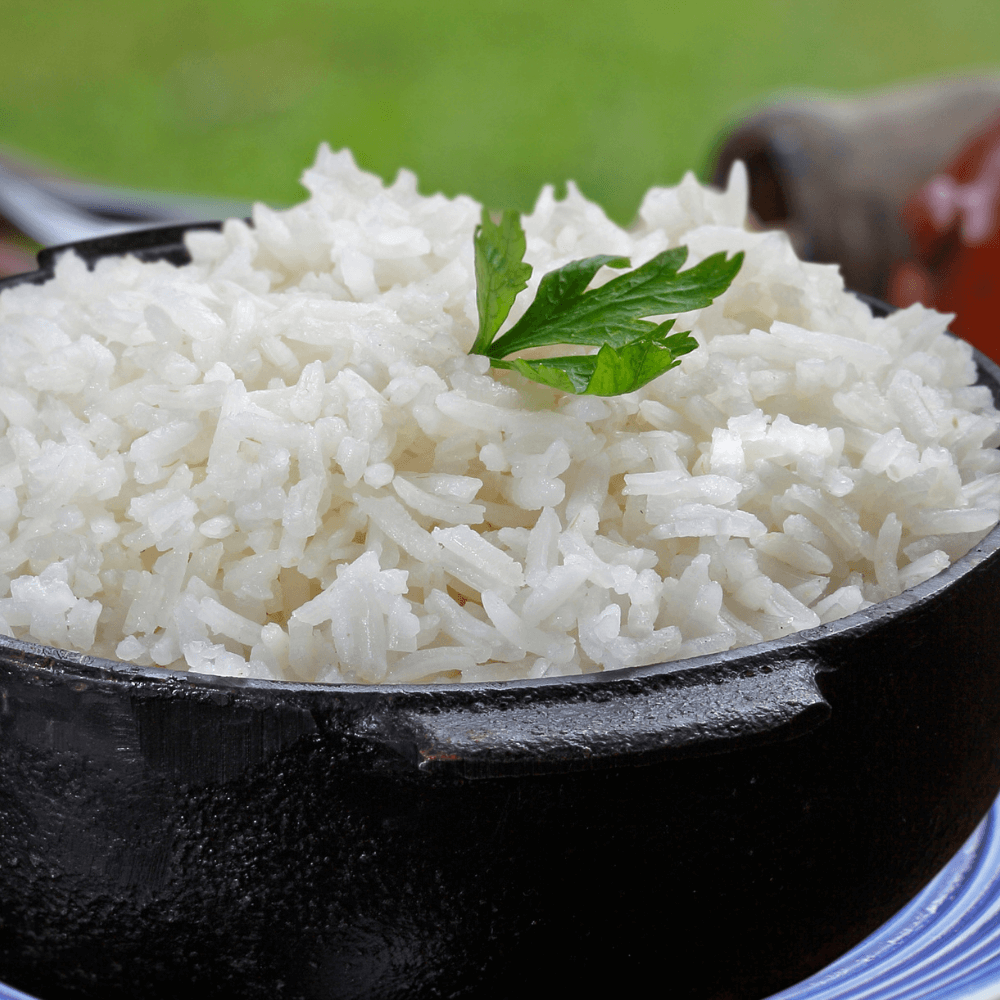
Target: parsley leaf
611	370
632	350
500	273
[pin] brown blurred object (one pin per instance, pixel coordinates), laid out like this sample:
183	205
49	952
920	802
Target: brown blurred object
834	172
954	228
17	252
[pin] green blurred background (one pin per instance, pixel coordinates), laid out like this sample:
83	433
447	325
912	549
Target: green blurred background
231	97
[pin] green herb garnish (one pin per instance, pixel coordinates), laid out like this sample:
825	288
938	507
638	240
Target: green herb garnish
633	351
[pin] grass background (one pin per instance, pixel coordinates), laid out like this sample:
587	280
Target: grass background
231	97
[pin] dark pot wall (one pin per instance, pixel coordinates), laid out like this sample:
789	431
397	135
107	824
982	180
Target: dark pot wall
159	836
723	829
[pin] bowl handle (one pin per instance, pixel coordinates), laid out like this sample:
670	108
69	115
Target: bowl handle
601	720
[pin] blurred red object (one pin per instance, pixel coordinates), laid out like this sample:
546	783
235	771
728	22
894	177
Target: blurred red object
953	222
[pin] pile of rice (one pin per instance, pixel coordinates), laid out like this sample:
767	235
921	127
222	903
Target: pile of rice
280	461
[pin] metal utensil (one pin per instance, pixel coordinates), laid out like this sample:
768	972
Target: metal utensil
54	212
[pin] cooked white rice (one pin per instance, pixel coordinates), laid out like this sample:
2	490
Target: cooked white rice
280	461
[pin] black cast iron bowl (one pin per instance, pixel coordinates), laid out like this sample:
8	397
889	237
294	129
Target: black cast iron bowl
725	825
